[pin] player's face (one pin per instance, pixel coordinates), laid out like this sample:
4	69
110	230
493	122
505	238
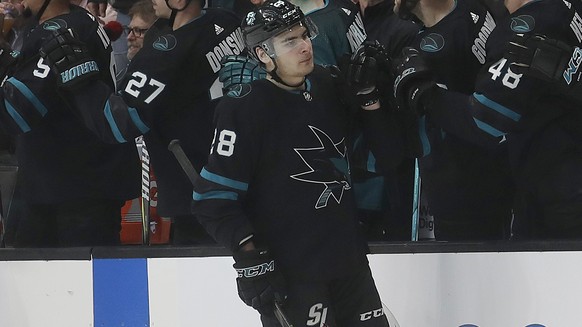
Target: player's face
161	8
396	6
294	54
137	28
513	5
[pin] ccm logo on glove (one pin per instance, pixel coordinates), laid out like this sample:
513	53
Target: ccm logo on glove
257	270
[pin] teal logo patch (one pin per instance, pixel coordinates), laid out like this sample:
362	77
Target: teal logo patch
523	24
432	43
54	24
165	42
239	90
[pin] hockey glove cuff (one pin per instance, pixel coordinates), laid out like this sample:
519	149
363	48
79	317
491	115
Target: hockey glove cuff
259	281
69	58
237	69
413	80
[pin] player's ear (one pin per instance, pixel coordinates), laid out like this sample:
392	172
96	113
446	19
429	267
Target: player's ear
262	55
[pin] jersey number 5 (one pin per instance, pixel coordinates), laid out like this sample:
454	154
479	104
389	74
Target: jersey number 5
226	140
510	79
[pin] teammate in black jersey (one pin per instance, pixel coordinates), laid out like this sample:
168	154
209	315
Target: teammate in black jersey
277	189
73	184
170	92
468	188
511	108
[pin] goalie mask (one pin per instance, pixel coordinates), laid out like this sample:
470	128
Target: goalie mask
272	18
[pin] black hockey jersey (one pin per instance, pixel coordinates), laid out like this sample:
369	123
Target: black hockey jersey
279	169
59	158
341	31
502	98
169	92
175	74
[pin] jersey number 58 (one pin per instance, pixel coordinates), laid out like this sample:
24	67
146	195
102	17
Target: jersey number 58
226	140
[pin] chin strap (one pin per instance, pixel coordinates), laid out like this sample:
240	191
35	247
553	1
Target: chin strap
42	9
278	79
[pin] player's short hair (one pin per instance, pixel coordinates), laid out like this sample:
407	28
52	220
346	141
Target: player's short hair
143	9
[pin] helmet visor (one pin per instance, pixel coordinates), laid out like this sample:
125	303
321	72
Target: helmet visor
291	39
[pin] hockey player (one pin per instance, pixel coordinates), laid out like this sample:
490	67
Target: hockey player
468	188
170	91
509	108
277	190
73	185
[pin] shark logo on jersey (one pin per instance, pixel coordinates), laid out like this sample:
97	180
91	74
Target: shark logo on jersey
327	165
432	43
239	90
54	24
522	24
165	42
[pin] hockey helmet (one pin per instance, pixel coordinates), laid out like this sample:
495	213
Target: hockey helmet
269	20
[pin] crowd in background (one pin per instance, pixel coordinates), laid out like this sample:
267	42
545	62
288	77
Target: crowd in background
470	189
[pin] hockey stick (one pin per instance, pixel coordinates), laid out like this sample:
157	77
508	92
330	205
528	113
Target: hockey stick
416	201
145	194
183	160
281	316
187	167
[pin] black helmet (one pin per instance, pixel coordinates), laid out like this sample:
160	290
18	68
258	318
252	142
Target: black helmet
269	20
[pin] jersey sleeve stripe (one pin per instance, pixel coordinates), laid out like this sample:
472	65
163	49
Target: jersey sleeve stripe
28	95
426	148
241	186
21	122
137	121
488	128
112	124
497	107
220	195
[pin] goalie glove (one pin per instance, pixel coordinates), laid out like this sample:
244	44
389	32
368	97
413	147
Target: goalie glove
413	81
237	69
546	59
259	281
69	58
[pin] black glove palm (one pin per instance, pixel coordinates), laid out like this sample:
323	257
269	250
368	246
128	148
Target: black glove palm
362	70
542	58
69	58
413	80
259	282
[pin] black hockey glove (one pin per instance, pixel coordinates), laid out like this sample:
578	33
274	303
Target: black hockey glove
259	281
363	69
69	59
413	80
238	69
545	59
8	60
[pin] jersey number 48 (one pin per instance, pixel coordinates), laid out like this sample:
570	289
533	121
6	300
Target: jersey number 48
510	79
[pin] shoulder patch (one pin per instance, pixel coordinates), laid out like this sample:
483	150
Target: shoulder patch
432	43
165	42
239	90
54	24
522	23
